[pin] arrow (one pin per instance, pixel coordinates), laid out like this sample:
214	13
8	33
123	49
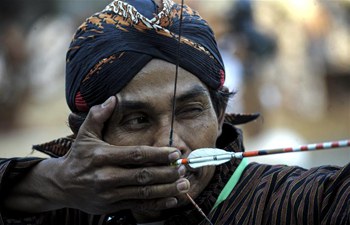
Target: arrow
214	156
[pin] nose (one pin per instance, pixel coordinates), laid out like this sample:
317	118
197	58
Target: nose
162	138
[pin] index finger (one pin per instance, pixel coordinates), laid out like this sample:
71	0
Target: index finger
137	155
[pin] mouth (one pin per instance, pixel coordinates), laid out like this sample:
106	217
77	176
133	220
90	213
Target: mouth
191	174
192	170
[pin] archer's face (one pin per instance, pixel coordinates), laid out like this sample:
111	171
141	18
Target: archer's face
144	111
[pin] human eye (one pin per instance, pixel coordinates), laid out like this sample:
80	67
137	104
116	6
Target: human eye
135	121
190	110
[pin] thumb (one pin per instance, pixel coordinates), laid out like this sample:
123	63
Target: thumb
97	116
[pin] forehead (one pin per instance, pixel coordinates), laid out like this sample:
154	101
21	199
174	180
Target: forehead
158	78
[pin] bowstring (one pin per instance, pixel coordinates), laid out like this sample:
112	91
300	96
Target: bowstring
176	75
174	105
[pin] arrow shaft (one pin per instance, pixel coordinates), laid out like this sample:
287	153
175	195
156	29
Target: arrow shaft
217	159
309	147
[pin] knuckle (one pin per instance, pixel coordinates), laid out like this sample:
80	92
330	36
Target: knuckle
101	183
144	176
99	158
105	198
145	192
137	155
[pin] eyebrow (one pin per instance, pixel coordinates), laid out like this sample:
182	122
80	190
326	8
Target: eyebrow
195	91
134	105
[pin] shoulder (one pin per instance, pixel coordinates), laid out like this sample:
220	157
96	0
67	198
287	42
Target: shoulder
271	193
282	175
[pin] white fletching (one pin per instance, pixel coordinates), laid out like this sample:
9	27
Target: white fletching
208	157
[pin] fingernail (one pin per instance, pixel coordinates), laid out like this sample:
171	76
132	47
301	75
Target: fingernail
170	203
107	102
182	170
174	156
183	186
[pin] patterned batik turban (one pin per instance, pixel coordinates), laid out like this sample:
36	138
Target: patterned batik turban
112	46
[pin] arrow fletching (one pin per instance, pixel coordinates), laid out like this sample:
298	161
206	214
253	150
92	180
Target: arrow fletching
206	157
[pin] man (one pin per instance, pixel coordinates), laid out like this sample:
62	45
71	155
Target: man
116	168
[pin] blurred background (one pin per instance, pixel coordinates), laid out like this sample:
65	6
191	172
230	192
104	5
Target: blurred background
287	59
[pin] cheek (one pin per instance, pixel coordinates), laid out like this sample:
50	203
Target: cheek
121	138
202	133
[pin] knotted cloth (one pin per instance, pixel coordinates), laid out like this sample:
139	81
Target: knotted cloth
112	46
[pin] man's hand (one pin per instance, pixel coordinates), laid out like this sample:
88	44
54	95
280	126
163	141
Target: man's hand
100	178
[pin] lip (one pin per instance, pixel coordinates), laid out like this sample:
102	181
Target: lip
192	170
189	170
192	173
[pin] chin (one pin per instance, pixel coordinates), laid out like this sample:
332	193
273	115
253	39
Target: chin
199	179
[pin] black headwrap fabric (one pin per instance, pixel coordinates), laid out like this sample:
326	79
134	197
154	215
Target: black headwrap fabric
112	46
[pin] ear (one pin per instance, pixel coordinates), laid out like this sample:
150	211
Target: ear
221	116
221	119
